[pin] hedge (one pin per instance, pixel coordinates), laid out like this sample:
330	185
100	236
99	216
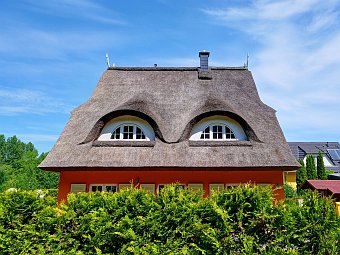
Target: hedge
240	220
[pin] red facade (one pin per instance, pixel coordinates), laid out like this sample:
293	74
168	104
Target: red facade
165	176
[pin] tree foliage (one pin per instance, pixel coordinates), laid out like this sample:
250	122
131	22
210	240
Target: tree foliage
310	168
240	220
320	167
19	166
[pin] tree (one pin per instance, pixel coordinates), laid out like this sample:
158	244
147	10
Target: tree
2	148
320	167
19	166
301	175
310	168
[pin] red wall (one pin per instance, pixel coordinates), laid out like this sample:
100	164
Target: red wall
168	176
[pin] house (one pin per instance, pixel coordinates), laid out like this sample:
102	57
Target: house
330	152
203	127
326	187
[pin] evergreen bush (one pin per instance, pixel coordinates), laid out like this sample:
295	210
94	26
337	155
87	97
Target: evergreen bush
320	167
240	220
310	168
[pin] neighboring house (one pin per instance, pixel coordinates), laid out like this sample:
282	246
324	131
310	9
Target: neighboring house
330	152
326	187
205	128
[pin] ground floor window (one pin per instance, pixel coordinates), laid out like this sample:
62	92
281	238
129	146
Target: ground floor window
162	186
195	186
75	188
148	187
103	187
216	187
124	186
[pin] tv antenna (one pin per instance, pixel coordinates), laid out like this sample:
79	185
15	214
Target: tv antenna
246	65
107	60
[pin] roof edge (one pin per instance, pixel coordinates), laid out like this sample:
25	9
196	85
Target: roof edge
172	68
165	168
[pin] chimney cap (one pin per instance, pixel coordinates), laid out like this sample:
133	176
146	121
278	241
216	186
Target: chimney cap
203	52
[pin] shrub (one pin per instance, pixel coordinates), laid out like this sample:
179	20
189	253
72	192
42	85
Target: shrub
289	191
310	168
240	220
320	167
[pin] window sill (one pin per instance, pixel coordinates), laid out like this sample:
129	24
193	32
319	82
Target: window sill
123	143
218	143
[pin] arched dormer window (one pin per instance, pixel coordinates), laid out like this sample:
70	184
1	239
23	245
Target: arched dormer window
217	131
128	132
219	128
127	128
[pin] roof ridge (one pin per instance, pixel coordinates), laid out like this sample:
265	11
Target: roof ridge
122	68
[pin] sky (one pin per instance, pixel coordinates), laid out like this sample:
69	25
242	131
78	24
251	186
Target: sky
52	54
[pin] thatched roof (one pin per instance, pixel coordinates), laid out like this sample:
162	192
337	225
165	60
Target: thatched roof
172	100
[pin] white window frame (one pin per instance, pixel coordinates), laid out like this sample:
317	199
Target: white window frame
127	120
148	187
103	187
134	133
230	185
218	120
216	187
211	132
163	184
125	186
78	187
195	186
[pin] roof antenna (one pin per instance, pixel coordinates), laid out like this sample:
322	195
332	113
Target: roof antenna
247	64
107	60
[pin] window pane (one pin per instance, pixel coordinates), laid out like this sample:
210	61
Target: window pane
94	188
160	187
139	133
206	133
217	132
116	134
111	188
229	134
99	188
128	132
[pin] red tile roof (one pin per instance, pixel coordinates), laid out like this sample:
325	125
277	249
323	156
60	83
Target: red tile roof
331	185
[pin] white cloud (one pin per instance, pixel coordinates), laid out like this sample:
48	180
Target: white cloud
19	101
37	137
85	9
55	45
297	65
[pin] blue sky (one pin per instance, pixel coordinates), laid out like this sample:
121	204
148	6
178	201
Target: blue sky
52	54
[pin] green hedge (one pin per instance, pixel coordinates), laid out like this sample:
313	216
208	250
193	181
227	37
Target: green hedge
240	220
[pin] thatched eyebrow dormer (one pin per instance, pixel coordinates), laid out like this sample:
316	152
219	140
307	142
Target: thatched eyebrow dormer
172	101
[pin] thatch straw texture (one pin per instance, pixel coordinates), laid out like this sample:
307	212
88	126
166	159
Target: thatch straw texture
172	100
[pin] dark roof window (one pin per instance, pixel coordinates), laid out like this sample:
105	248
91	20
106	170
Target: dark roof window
334	154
